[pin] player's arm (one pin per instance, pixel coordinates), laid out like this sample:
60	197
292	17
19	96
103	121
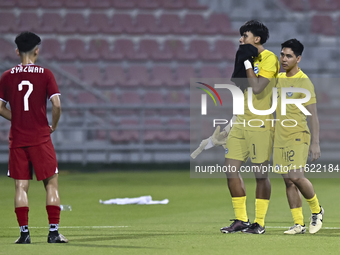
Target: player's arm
56	112
259	83
314	149
4	111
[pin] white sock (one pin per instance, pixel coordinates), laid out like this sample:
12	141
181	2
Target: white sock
54	227
24	229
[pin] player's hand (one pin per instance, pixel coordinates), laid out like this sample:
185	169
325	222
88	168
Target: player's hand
314	151
52	129
246	52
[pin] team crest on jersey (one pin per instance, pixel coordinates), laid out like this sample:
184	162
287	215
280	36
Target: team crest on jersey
290	94
256	69
226	151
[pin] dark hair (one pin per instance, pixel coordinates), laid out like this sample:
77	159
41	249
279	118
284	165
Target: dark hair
295	45
257	28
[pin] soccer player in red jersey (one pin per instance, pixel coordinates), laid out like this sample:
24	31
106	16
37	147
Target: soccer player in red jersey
26	87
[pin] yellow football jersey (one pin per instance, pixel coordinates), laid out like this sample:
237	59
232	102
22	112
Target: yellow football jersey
284	136
265	65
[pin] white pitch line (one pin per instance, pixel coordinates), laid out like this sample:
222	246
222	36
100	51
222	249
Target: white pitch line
83	227
289	227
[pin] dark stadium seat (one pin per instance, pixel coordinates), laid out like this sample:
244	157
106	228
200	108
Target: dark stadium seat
29	21
153	98
8	22
169	23
124	4
98	49
193	23
184	73
50	49
7	4
296	5
223	50
76	4
74	49
71	69
100	23
92	75
85	97
176	48
123	23
74	23
102	4
194	5
130	98
52	4
27	3
138	76
51	22
322	24
123	48
146	23
148	4
161	75
153	130
7	51
328	5
129	132
199	48
114	76
211	72
221	23
173	4
147	49
175	98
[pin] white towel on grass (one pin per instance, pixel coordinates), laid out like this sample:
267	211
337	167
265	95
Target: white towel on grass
143	200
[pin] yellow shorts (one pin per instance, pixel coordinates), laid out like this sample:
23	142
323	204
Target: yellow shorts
242	144
290	157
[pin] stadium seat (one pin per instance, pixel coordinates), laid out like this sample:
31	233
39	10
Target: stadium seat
193	23
29	21
113	98
154	100
51	22
27	3
102	4
161	76
184	73
147	49
146	23
52	4
50	49
221	24
114	76
76	4
92	75
138	76
124	4
322	24
153	130
87	98
98	49
74	49
100	23
148	4
173	4
176	98
129	132
169	23
211	72
8	22
123	48
123	23
223	50
195	5
176	48
296	5
199	49
132	100
74	23
326	5
70	69
7	4
7	50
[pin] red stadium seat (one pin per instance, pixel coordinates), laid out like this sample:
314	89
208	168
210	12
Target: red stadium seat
211	72
92	75
29	21
161	76
147	49
199	48
70	69
129	132
173	4
130	98
169	23
87	98
7	50
76	4
194	5
123	48
193	23
52	4
153	130
124	4
153	98
323	25
138	76
221	24
51	23
50	49
74	23
175	98
326	5
28	3
123	23
176	48
113	97
7	4
184	73
223	50
8	22
146	23
115	76
148	4
296	5
102	4
99	22
74	49
98	49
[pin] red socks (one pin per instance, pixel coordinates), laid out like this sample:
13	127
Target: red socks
22	215
53	213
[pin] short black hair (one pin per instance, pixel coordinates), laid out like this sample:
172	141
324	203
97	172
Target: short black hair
295	45
27	41
257	28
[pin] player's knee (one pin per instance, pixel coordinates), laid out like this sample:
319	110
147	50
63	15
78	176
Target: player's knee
21	185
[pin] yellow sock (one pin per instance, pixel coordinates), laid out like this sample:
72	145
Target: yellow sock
314	204
239	204
261	207
297	215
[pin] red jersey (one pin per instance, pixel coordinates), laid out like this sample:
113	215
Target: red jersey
27	88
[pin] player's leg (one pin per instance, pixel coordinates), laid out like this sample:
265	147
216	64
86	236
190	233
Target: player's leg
45	165
307	190
295	205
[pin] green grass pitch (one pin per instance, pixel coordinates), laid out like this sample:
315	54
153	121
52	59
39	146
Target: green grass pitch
189	224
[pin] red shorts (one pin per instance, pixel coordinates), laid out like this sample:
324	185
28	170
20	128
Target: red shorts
41	157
